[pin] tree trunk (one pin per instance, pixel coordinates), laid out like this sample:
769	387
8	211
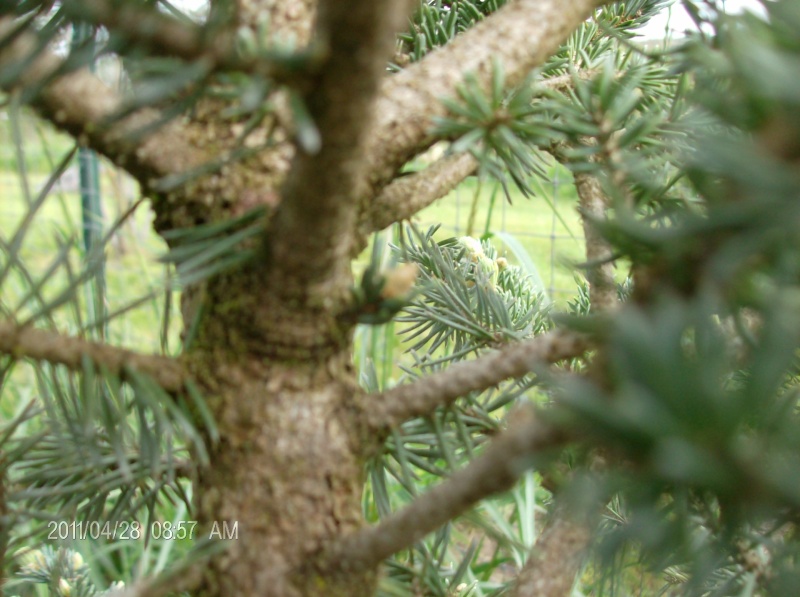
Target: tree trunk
288	469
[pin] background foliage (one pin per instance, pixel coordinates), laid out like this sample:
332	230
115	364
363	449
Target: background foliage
696	145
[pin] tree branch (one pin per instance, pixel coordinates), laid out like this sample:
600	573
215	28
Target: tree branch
80	104
564	83
522	35
494	471
556	558
389	409
322	190
41	345
406	195
164	35
593	203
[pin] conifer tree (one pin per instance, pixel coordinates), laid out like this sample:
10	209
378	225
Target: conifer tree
524	450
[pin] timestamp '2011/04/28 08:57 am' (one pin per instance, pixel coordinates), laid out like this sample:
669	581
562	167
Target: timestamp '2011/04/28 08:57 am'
124	530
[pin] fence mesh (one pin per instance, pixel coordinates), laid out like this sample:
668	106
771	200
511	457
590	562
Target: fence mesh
543	232
546	227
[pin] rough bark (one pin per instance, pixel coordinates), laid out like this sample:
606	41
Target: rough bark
289	471
557	557
289	22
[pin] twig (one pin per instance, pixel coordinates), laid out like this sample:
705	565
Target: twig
163	35
406	195
41	345
78	102
496	470
389	409
521	35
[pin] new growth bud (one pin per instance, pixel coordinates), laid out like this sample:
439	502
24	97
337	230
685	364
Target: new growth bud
400	281
64	588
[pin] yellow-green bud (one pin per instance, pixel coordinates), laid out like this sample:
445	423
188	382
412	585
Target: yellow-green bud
34	560
399	281
488	268
64	589
473	247
77	560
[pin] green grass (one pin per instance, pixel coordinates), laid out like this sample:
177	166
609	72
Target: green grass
40	141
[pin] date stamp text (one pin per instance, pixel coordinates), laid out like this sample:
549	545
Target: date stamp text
124	530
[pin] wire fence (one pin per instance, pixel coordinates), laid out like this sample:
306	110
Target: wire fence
546	227
96	191
543	233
